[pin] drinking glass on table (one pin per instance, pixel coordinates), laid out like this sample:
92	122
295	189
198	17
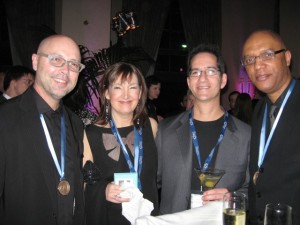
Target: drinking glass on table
278	214
234	208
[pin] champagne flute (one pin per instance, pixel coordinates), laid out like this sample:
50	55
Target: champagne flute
234	208
278	214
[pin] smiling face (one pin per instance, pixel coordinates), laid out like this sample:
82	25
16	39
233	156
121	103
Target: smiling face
51	82
271	76
124	96
206	88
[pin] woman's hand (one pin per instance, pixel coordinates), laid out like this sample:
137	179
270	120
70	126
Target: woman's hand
112	193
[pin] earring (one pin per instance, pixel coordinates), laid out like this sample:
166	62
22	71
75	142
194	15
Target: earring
106	111
136	109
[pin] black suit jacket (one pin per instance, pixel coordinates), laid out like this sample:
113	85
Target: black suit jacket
27	189
175	160
280	180
2	99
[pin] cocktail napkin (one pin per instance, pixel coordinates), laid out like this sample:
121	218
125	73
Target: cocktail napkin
137	206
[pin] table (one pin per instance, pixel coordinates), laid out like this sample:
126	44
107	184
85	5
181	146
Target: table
210	214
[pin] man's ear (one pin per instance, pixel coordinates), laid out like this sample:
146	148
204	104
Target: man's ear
223	80
34	58
288	57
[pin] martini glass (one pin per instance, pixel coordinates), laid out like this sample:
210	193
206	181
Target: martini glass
208	178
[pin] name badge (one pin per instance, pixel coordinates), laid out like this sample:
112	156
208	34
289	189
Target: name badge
196	201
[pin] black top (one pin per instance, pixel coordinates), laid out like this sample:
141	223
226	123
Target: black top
2	98
109	158
151	109
208	134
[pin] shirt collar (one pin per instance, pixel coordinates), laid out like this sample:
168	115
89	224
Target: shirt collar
6	96
43	106
280	99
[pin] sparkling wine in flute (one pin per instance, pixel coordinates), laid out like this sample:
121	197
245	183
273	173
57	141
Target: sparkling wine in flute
234	217
234	208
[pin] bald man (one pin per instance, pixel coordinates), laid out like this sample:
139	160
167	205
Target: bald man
275	148
41	143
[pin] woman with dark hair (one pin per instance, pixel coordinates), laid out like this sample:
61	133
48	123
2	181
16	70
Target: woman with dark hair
243	108
122	133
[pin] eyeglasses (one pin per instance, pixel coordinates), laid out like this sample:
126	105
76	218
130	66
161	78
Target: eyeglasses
209	71
28	81
59	61
267	55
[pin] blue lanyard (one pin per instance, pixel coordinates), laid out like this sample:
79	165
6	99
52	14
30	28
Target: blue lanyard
60	168
263	146
138	150
196	143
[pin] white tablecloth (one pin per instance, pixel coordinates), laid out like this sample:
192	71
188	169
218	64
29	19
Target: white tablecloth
210	214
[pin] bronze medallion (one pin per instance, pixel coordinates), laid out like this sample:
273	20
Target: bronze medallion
256	174
64	187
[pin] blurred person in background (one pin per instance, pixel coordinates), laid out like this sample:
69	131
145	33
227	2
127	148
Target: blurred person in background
243	109
190	100
153	86
183	102
232	99
16	81
2	75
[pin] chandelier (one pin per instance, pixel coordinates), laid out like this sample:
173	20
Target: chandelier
123	22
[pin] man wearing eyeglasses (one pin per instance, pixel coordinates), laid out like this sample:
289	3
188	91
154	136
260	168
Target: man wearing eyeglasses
16	82
205	137
275	149
41	143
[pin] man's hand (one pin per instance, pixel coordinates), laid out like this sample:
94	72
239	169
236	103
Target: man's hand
215	194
